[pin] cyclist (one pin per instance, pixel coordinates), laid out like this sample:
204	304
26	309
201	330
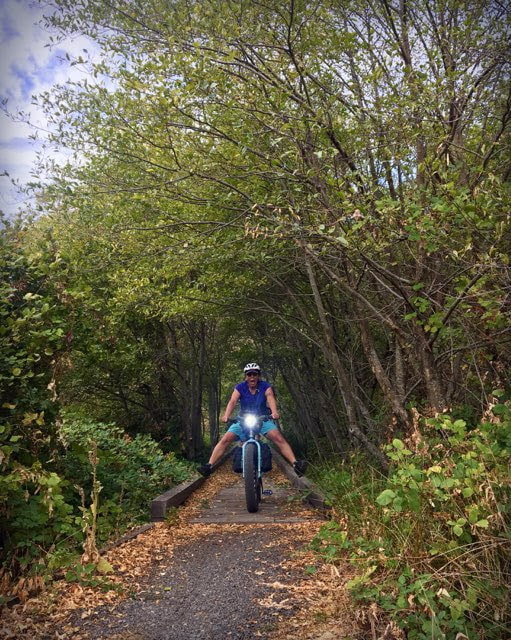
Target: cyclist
254	396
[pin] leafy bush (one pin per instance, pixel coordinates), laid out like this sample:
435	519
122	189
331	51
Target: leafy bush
48	511
131	471
46	476
38	518
34	515
432	540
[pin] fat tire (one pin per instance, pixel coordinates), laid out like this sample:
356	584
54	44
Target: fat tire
250	477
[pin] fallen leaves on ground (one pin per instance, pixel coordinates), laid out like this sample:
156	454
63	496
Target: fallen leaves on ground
48	615
323	610
318	602
322	604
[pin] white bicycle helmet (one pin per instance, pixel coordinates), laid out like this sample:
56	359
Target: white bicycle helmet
252	366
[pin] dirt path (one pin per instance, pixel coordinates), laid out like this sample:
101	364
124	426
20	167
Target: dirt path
228	583
211	570
229	578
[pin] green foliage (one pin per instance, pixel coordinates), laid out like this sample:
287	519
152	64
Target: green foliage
325	152
38	519
32	337
331	541
34	514
132	471
431	543
305	151
48	515
41	514
87	575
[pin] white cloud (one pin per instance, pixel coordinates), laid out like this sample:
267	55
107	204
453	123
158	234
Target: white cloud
27	68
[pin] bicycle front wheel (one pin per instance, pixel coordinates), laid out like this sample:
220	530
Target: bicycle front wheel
252	481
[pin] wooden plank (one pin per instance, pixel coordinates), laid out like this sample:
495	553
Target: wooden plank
312	494
173	498
177	495
229	507
256	518
127	537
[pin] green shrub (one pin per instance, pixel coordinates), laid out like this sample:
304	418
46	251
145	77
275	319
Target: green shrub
38	520
34	514
431	541
131	471
45	511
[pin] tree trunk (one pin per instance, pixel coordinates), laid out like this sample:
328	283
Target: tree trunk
342	379
399	374
214	411
388	390
431	377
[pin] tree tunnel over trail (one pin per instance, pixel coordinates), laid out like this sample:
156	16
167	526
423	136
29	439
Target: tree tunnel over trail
321	188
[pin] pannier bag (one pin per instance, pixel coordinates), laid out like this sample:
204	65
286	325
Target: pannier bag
237	463
265	457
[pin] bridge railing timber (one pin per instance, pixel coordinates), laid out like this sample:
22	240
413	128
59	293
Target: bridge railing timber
177	495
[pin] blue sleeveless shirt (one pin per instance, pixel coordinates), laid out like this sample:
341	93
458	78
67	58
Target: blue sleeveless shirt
255	403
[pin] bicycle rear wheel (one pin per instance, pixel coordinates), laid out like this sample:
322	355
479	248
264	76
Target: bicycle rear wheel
252	481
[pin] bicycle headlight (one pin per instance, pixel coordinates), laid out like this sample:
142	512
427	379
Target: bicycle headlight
250	420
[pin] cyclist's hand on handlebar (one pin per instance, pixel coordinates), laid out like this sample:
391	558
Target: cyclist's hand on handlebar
225	419
275	415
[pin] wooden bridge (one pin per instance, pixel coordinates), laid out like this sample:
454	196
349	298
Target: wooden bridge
228	506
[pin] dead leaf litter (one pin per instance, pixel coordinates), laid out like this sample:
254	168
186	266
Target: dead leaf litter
320	602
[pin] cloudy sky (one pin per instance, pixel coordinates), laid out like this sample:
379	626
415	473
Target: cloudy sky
27	67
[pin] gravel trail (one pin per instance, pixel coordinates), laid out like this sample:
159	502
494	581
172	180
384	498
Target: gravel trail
224	578
228	584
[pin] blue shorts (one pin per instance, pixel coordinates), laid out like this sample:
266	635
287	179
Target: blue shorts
268	425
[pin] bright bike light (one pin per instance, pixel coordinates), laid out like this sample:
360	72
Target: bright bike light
250	420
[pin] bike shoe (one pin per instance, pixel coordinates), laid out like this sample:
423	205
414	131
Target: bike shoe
205	470
300	467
